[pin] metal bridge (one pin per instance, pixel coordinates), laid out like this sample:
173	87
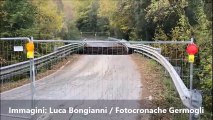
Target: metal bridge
191	98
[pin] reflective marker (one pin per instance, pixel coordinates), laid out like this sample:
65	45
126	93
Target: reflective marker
30	54
30	49
191	58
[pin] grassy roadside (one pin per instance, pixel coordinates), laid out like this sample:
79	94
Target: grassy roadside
158	85
45	71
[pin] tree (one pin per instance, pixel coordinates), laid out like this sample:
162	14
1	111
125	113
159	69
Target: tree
90	21
49	21
17	18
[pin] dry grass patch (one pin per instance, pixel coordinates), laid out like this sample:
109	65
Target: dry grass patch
157	90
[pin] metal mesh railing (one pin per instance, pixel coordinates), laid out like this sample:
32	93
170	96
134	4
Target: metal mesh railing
15	67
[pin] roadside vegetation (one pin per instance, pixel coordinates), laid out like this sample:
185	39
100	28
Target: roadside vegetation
160	90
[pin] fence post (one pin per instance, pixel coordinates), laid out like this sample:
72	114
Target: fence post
32	78
192	115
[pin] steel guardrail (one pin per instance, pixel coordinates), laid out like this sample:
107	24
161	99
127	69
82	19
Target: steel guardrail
161	42
182	90
19	68
153	53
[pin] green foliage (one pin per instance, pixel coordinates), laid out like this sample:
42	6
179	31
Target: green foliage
171	20
90	21
122	19
49	21
17	17
70	32
160	34
39	18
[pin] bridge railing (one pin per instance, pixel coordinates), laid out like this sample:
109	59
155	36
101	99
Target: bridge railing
180	87
122	42
19	68
155	53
